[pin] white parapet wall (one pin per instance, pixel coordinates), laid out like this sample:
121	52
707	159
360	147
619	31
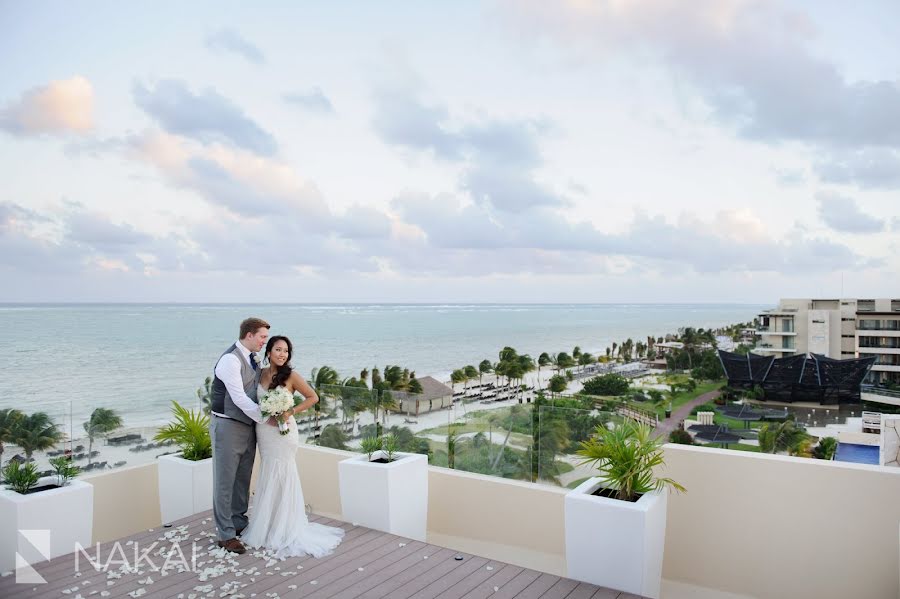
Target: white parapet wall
750	525
777	526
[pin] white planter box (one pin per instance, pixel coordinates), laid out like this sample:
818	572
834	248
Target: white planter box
185	487
67	512
614	543
388	497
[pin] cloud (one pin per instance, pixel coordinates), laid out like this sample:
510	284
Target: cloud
229	40
208	117
60	107
313	100
402	119
732	241
498	157
843	214
872	168
748	59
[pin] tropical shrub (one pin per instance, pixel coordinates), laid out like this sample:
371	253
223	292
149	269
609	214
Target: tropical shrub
607	384
626	457
682	437
190	431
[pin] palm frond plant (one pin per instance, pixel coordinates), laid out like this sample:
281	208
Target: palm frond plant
21	478
370	445
64	469
625	457
826	448
390	446
190	431
101	422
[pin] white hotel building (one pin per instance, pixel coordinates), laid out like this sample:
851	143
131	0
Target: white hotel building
837	328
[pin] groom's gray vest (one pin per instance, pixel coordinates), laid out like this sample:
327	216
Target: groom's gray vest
220	400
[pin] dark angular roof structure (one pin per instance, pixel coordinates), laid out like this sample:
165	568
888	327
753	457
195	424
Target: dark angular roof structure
814	378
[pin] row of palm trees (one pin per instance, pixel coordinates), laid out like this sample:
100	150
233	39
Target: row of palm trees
38	432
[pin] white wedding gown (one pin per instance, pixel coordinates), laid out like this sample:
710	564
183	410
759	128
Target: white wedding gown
278	519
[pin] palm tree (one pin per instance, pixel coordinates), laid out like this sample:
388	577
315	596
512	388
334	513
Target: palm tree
585	359
457	376
9	420
471	373
543	360
321	379
36	432
204	394
101	422
485	367
376	376
326	375
576	353
364	376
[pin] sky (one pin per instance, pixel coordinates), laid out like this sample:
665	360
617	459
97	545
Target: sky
496	151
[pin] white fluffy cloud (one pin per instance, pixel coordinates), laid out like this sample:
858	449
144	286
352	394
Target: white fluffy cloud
65	106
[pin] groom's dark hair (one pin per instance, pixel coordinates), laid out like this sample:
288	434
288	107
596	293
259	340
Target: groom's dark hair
251	325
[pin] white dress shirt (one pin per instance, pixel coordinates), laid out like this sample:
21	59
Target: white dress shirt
228	370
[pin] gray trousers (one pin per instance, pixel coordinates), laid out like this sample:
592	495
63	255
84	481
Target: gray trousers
234	450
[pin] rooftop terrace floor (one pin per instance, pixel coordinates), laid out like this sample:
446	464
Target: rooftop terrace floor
367	564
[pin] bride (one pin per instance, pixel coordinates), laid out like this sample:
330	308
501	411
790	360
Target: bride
278	521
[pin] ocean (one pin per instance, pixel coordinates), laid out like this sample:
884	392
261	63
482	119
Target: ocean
137	358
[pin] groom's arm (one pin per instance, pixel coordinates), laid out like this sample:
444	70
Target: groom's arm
228	370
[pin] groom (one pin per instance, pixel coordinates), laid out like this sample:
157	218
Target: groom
233	432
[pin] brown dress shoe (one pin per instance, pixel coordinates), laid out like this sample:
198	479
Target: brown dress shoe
233	545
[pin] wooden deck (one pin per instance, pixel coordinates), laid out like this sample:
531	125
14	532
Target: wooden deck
367	564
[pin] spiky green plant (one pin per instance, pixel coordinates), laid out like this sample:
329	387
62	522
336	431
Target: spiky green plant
390	445
370	445
190	431
21	478
625	457
65	470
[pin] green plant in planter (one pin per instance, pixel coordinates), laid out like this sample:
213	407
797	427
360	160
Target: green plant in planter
370	445
389	444
65	470
190	431
625	457
21	478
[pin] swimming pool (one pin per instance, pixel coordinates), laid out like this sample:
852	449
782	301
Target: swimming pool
861	454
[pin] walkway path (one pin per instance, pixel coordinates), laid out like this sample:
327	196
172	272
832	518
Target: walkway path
669	424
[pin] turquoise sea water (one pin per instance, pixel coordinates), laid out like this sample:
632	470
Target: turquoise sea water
137	358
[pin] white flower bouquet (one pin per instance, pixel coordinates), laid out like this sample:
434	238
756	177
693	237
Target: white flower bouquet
275	403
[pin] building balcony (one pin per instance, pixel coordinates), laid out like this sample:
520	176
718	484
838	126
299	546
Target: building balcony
773	348
775	333
721	540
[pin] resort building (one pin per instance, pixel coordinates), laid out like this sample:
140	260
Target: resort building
837	328
434	396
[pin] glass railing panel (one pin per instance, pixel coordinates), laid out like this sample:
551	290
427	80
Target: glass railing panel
342	416
562	425
488	430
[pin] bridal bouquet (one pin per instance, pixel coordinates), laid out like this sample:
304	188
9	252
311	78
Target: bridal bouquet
275	403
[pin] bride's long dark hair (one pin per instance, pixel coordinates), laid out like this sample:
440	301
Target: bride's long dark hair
283	372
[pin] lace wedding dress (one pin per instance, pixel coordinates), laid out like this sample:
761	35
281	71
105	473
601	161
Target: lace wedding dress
278	518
